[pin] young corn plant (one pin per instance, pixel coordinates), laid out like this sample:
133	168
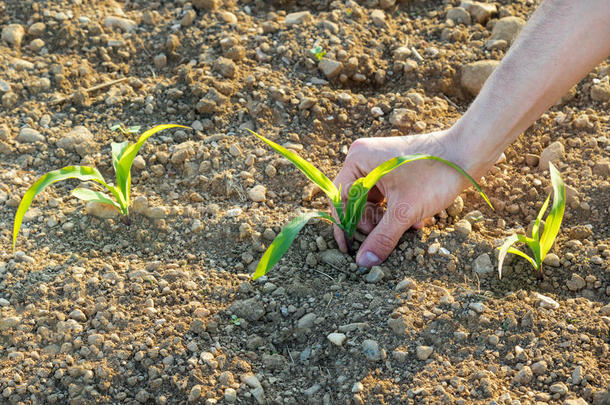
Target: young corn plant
348	217
123	155
539	244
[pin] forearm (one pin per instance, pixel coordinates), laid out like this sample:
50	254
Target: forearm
560	44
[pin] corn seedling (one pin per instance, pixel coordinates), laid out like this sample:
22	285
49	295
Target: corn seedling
123	155
348	216
318	52
539	244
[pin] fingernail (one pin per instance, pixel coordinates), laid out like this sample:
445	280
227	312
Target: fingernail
368	259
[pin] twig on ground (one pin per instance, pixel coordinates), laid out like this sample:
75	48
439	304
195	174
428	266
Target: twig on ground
89	90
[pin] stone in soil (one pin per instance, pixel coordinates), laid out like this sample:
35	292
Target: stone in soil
576	283
76	136
209	5
13	34
403	117
423	352
378	18
552	153
480	12
475	74
459	15
482	264
406	284
507	29
101	210
551	259
523	376
124	24
29	135
337	338
456	207
375	275
298	18
546	302
371	350
9	323
601	91
333	257
463	227
251	309
257	193
330	68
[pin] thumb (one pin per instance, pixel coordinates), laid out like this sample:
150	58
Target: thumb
383	238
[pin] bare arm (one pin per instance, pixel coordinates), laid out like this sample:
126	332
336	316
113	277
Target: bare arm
562	41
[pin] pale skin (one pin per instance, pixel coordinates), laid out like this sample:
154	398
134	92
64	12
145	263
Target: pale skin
562	41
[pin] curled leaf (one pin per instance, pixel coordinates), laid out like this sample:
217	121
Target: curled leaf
83	173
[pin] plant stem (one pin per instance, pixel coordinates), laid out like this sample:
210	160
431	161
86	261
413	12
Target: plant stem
126	220
349	242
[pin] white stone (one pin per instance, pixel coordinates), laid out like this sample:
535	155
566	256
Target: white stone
336	338
482	264
423	352
257	193
300	17
13	34
475	74
29	135
546	302
101	210
551	153
378	18
330	68
124	24
77	135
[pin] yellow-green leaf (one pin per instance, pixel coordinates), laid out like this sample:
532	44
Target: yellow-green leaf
126	155
358	192
307	169
555	217
536	227
95	196
282	242
83	173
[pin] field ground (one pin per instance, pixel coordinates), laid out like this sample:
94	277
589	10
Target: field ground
163	311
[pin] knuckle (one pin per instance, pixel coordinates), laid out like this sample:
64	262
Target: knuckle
385	241
357	146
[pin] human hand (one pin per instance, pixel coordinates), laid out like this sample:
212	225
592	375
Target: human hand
411	193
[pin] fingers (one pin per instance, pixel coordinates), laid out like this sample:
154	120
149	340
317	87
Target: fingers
345	178
340	238
373	213
383	238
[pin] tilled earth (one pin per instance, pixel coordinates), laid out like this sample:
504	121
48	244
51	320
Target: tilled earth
164	311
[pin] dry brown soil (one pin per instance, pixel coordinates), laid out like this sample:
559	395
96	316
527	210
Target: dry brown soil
164	311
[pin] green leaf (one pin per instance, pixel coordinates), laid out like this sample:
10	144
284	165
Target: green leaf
96	196
553	220
133	129
507	248
318	52
83	173
536	227
282	242
117	150
529	259
128	154
308	170
358	192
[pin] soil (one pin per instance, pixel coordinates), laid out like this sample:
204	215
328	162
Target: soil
164	311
